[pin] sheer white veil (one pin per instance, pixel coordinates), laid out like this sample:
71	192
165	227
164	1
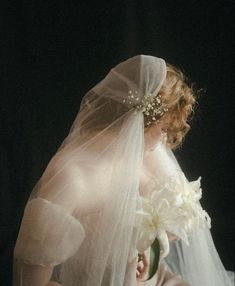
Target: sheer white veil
94	177
81	216
198	263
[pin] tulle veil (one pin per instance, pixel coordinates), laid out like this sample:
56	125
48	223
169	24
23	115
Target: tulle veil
80	220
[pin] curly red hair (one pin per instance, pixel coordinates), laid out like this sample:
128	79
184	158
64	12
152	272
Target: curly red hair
179	96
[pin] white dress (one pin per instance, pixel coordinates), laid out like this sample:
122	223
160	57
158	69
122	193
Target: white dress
38	237
50	235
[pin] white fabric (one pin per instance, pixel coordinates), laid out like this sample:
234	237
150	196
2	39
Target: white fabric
92	186
48	234
199	263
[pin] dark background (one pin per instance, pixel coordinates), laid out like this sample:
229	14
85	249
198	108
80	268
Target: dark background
52	52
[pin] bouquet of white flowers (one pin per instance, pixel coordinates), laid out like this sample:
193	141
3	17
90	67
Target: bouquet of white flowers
172	207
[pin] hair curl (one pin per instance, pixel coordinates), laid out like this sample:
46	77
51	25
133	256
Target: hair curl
179	96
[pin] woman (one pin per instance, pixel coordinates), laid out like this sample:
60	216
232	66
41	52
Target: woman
84	223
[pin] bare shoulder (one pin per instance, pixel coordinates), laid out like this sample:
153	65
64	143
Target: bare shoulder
78	187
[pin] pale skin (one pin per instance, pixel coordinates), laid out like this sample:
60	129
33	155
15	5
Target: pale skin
40	276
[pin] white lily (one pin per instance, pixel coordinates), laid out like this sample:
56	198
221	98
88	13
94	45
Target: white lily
173	207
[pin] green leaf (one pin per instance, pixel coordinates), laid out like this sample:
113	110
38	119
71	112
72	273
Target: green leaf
154	258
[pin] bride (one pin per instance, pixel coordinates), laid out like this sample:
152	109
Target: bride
113	207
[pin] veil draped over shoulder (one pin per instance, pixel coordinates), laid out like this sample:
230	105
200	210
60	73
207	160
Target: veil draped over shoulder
79	225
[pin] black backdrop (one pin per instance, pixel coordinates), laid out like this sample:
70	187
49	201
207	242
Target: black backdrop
52	52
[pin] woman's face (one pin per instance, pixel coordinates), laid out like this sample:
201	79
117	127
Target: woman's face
154	134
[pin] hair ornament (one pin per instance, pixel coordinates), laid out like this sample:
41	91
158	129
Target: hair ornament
151	106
